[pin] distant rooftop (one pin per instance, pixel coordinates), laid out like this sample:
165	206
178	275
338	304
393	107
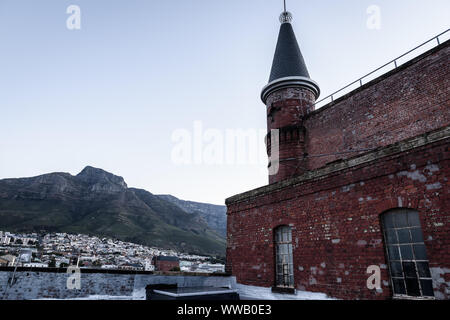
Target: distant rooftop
167	258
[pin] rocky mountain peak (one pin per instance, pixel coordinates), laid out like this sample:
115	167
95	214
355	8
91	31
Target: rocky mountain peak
101	180
99	203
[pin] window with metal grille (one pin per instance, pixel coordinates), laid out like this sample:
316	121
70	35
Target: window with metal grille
406	252
284	260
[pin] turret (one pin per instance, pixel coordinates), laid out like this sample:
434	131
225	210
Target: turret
289	96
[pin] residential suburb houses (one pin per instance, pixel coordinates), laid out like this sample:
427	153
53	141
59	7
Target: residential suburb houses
358	186
57	250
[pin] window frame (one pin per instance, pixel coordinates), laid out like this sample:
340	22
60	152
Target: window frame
280	240
397	244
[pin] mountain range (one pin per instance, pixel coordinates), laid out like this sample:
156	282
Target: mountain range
96	202
214	215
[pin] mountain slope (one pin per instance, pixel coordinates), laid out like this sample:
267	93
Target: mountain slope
214	215
99	203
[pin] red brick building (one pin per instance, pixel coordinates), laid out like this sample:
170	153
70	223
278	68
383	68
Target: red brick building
166	263
360	182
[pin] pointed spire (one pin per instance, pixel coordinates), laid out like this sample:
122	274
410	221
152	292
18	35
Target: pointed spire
288	60
288	67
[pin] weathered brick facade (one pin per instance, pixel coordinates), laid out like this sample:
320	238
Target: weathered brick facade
401	104
166	263
334	205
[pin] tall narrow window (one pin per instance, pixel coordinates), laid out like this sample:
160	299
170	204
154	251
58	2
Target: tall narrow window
406	252
284	261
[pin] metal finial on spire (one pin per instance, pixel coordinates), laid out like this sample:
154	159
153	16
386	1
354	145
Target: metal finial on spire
285	17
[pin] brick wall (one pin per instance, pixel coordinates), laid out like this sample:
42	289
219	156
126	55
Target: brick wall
286	109
335	217
401	104
162	265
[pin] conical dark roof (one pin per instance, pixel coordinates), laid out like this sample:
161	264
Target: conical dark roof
288	67
288	60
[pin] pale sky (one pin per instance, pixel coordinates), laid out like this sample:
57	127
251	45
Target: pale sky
113	93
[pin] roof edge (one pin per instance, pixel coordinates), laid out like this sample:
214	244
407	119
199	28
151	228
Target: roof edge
289	82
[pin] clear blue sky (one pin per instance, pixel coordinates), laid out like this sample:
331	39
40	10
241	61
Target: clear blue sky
111	94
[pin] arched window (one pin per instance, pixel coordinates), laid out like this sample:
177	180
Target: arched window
406	252
284	261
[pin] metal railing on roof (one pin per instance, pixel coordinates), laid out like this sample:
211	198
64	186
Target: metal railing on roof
395	62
